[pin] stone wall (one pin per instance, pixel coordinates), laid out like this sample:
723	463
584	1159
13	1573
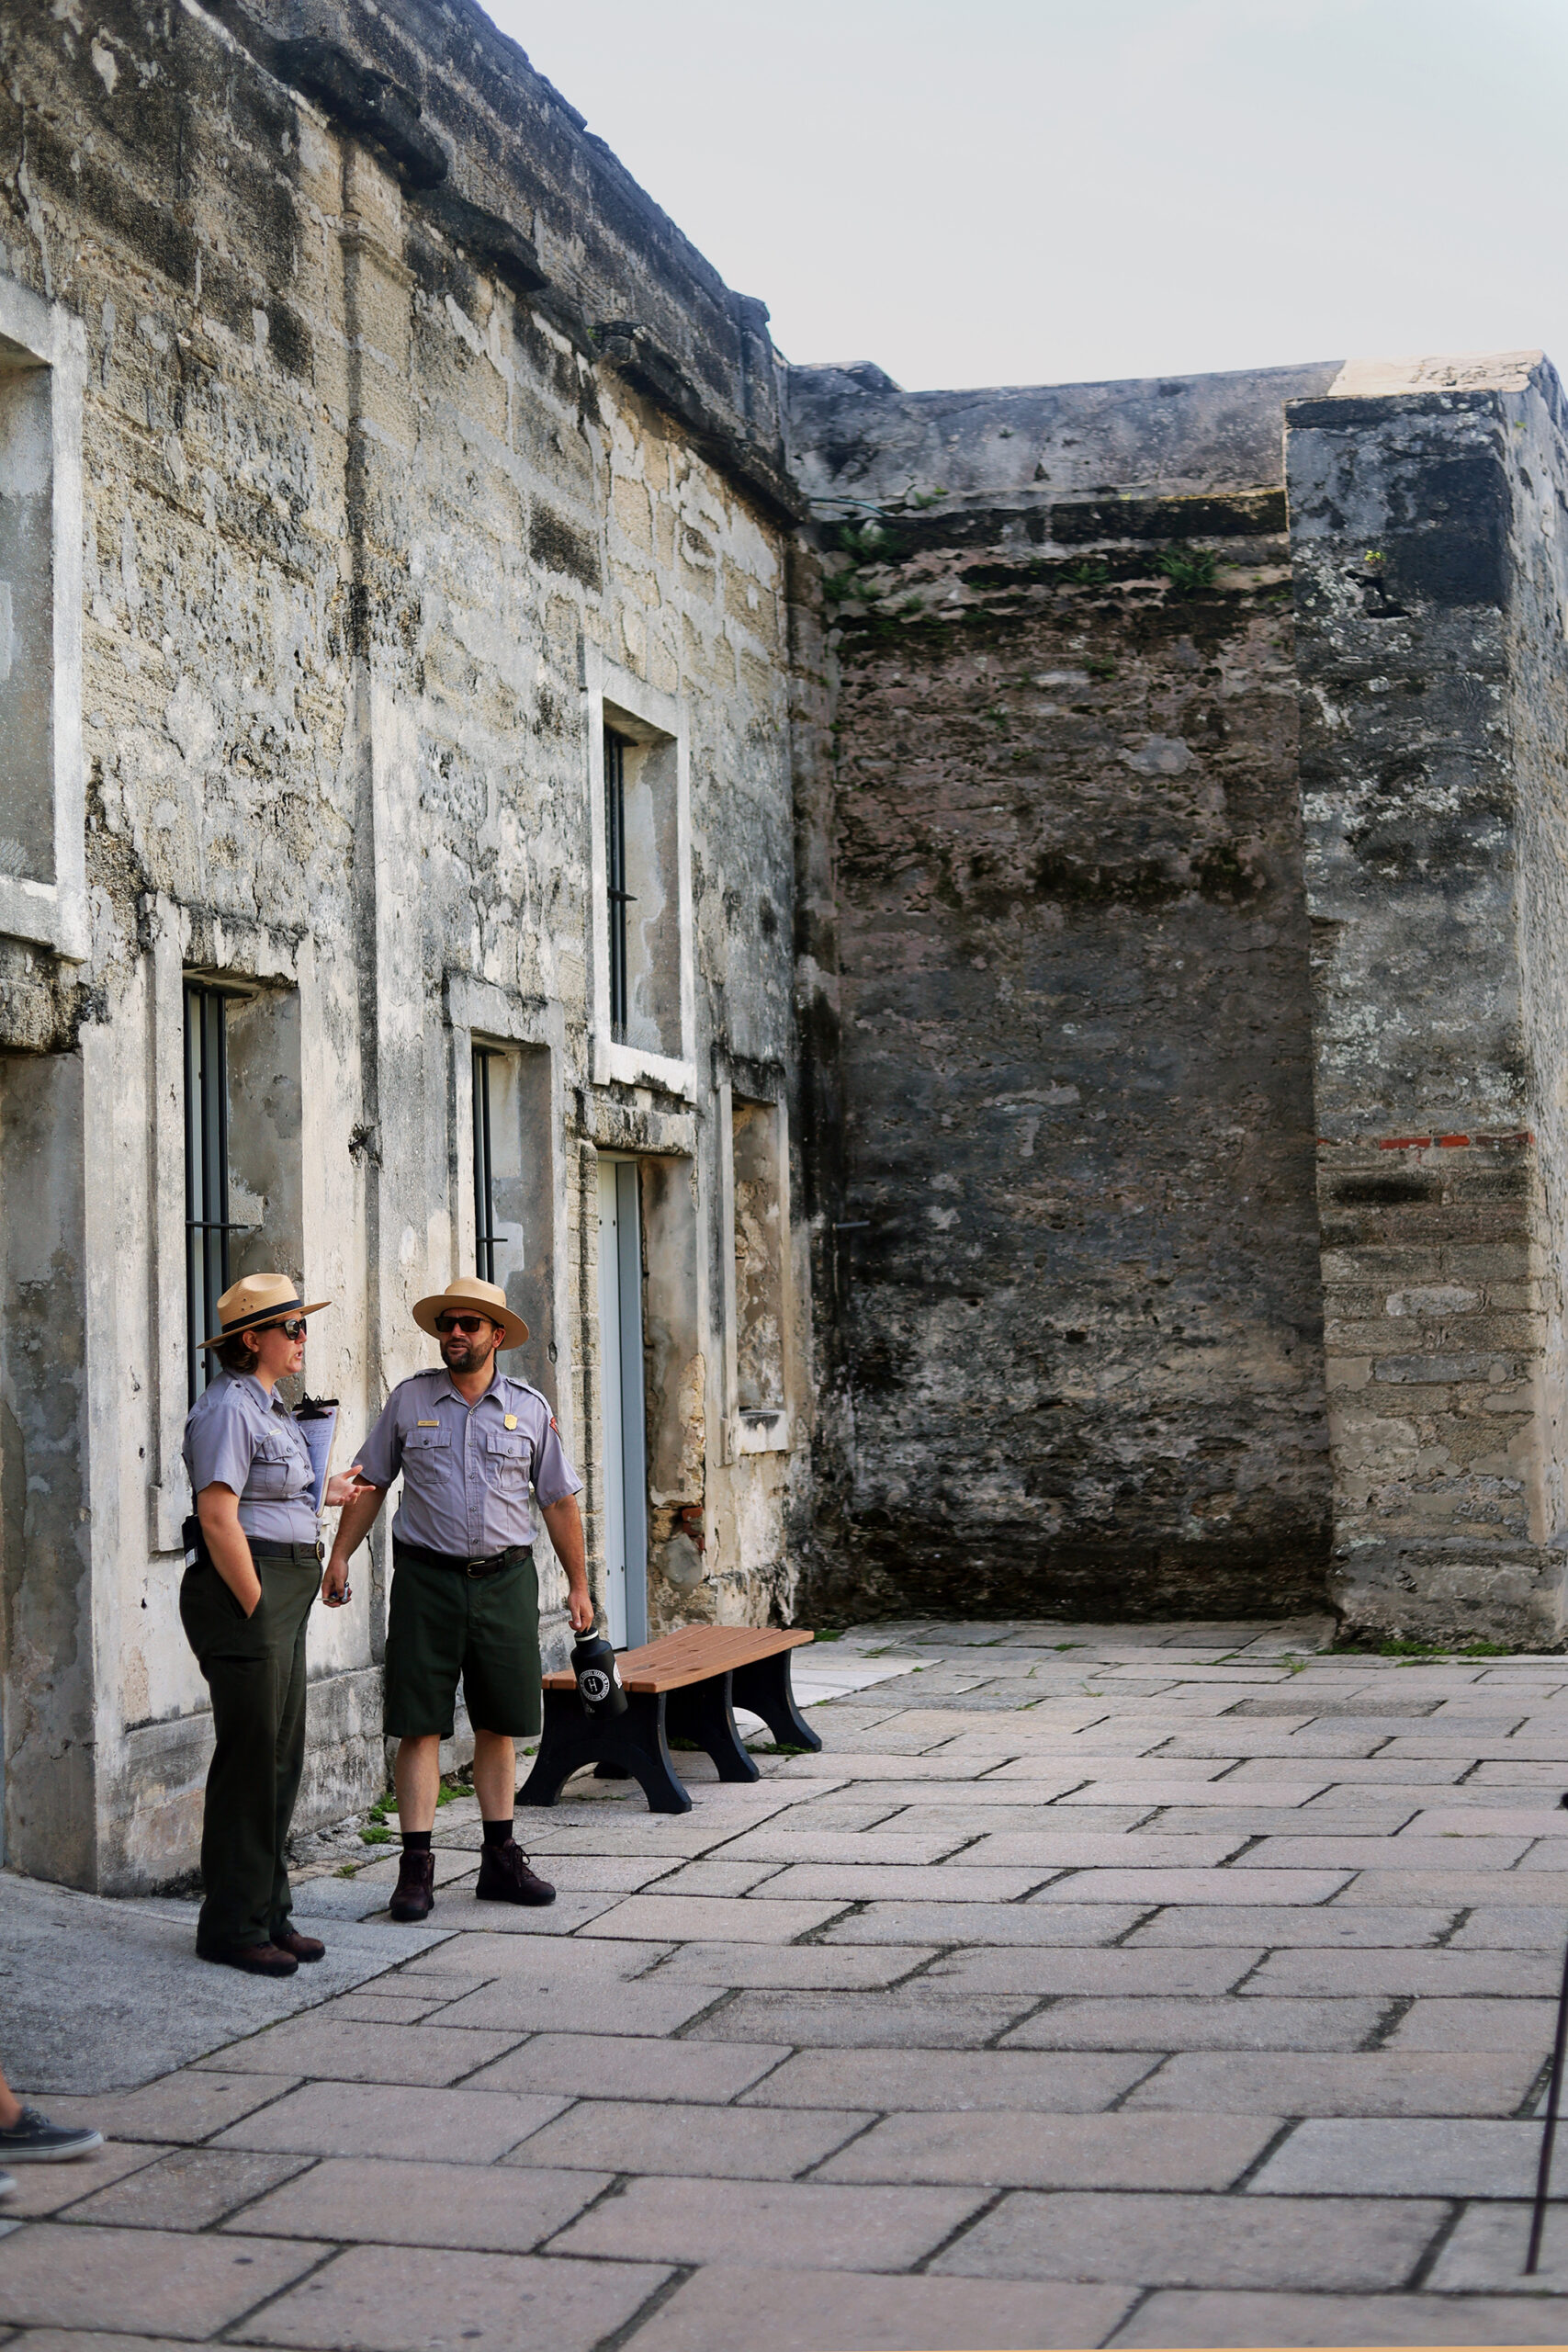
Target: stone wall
1425	507
412	439
1076	1279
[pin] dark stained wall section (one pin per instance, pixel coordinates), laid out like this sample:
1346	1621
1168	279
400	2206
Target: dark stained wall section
1081	1339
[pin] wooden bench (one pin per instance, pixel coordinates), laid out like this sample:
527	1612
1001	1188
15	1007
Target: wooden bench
686	1685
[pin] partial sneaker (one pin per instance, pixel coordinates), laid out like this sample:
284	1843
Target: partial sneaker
414	1897
34	2140
505	1877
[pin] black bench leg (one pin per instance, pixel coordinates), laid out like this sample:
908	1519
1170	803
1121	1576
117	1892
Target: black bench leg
702	1711
635	1741
764	1688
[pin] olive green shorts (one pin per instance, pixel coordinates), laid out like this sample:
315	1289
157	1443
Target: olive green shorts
441	1624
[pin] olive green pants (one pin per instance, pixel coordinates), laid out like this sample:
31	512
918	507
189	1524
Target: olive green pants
255	1668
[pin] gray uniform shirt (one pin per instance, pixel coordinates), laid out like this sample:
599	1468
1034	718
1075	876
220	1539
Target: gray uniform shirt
467	1469
238	1436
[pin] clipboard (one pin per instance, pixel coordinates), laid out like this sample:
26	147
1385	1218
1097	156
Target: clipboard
317	1418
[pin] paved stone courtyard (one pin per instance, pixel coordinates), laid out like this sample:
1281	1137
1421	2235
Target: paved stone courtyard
1135	1986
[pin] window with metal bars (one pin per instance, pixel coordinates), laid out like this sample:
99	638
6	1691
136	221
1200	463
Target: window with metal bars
208	1225
616	892
487	1239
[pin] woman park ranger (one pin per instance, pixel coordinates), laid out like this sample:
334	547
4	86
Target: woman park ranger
245	1603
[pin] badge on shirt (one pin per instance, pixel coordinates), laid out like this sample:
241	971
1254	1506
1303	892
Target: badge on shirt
427	1424
511	1420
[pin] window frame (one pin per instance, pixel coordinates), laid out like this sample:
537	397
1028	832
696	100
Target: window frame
615	700
207	1154
486	1239
55	914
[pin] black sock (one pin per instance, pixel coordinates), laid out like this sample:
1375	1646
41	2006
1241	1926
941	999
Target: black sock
416	1841
499	1833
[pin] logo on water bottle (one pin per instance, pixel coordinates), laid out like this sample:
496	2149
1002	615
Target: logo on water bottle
594	1684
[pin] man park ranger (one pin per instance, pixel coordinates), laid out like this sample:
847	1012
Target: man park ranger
464	1597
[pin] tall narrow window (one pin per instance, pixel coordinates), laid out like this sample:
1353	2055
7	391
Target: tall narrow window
615	877
207	1225
487	1239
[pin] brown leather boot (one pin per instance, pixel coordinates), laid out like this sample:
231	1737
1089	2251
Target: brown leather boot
414	1897
257	1960
505	1877
302	1947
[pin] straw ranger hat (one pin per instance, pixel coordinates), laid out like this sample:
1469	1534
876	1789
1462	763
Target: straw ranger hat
256	1300
465	1293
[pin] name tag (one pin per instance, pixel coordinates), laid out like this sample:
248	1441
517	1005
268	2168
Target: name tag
427	1424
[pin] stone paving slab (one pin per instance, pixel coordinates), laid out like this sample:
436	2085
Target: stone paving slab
918	2017
1176	2320
358	2199
1180	2241
188	2189
626	2067
1041	1970
1397	2158
986	1923
1488	2247
701	1917
841	1882
808	1967
1184	2023
397	2299
736	2143
1510	1974
390	2120
75	2275
807	2310
43	2190
1315	1885
1309	1927
1375	2081
836	2228
430	2054
1038	2151
1477	2023
916	2080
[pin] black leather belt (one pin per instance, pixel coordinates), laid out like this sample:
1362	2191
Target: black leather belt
301	1555
490	1567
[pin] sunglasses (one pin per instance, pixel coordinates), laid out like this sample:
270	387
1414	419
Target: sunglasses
447	1324
294	1329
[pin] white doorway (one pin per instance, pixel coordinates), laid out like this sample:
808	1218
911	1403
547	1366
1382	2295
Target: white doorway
621	1382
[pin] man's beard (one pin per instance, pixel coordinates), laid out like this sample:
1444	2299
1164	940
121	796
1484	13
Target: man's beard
461	1354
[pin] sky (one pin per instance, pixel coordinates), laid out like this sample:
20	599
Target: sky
1057	191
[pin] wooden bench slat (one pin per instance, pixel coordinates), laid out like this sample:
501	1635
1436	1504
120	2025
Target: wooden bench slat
692	1655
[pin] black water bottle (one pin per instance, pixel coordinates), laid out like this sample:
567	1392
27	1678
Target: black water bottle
598	1684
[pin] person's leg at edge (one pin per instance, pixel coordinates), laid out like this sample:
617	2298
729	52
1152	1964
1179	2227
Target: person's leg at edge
301	1588
495	1783
240	1810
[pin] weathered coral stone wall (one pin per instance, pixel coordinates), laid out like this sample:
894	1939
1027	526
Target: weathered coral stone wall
1431	593
370	518
1078	1272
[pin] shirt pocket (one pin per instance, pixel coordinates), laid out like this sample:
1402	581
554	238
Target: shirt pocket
274	1466
434	1446
506	1455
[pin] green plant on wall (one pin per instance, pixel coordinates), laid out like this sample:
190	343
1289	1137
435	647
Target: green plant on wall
1187	568
1087	575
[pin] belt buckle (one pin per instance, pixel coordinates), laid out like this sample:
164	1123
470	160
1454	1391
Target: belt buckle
475	1567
